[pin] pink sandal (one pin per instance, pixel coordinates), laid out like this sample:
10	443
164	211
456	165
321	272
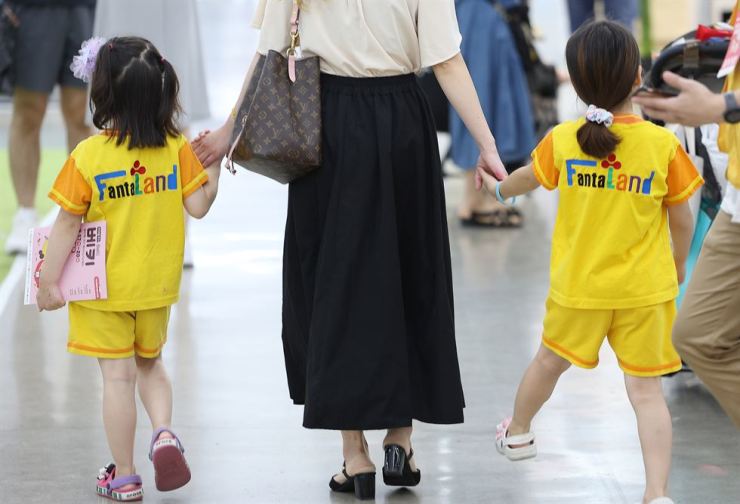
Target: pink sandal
171	470
108	485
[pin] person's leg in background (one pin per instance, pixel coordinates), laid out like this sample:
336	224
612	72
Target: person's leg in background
73	104
707	329
38	52
580	11
47	39
74	100
24	152
622	11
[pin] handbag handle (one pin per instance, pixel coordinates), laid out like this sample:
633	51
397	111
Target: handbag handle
295	39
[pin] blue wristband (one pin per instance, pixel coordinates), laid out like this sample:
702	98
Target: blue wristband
501	198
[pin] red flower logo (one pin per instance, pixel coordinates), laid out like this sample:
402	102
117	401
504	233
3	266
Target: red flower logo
611	162
137	168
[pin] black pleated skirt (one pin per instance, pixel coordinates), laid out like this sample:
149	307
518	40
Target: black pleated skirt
368	322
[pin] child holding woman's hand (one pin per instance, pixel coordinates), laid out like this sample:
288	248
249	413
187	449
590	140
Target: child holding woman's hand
623	183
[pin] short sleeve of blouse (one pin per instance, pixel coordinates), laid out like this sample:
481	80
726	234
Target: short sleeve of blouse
259	14
439	34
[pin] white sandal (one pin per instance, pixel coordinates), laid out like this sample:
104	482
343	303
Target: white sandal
505	443
662	500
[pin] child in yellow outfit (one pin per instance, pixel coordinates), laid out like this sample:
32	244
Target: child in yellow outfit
623	183
136	175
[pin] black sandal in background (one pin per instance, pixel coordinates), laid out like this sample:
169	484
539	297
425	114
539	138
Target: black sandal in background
362	484
494	219
514	217
397	469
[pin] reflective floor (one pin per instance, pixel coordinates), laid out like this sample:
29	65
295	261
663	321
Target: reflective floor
243	436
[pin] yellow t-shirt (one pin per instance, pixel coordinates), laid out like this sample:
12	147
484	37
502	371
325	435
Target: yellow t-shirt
611	245
139	193
729	134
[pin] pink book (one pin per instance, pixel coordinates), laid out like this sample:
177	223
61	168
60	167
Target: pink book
83	277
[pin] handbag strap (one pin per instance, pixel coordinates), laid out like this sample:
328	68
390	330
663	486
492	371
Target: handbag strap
295	39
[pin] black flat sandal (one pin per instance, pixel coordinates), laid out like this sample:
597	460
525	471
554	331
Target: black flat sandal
397	469
362	484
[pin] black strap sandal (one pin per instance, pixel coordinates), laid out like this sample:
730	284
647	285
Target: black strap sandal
397	469
494	219
514	217
362	484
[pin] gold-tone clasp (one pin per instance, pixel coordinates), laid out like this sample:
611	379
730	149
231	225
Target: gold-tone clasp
295	40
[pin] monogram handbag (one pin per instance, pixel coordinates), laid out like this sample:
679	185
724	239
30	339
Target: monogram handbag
278	124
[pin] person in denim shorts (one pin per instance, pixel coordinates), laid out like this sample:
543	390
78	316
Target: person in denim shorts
49	34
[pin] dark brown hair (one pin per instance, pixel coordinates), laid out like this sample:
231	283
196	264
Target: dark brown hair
603	60
134	93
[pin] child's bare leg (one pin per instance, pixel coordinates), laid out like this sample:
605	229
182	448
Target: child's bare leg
536	388
655	430
155	391
119	411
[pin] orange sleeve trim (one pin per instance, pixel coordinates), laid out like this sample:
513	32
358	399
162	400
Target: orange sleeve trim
200	180
541	176
567	354
86	348
543	163
686	193
642	369
67	205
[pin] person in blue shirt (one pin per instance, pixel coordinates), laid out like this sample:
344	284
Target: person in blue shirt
496	68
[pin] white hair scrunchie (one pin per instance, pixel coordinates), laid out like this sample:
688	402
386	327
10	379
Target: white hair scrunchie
598	115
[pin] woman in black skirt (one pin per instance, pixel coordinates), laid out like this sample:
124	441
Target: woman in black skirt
368	324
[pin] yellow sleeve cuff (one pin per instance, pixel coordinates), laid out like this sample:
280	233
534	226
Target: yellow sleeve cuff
67	205
686	193
195	184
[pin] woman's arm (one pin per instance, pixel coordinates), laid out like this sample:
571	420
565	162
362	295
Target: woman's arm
455	80
211	147
61	240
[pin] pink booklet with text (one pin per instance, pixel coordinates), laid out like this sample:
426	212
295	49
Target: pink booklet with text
83	277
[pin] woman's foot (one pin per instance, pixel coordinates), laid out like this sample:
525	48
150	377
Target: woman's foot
358	471
399	468
356	457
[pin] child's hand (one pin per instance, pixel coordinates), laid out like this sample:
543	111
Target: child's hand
487	181
49	297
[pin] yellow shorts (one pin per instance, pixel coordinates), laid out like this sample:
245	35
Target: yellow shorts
117	335
641	337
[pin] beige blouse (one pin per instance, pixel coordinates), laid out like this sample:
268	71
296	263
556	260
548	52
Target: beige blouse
364	38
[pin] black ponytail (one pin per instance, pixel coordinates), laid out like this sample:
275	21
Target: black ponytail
169	106
134	93
603	59
597	140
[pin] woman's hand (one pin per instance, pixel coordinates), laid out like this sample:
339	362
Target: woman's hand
211	147
489	163
49	297
695	105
